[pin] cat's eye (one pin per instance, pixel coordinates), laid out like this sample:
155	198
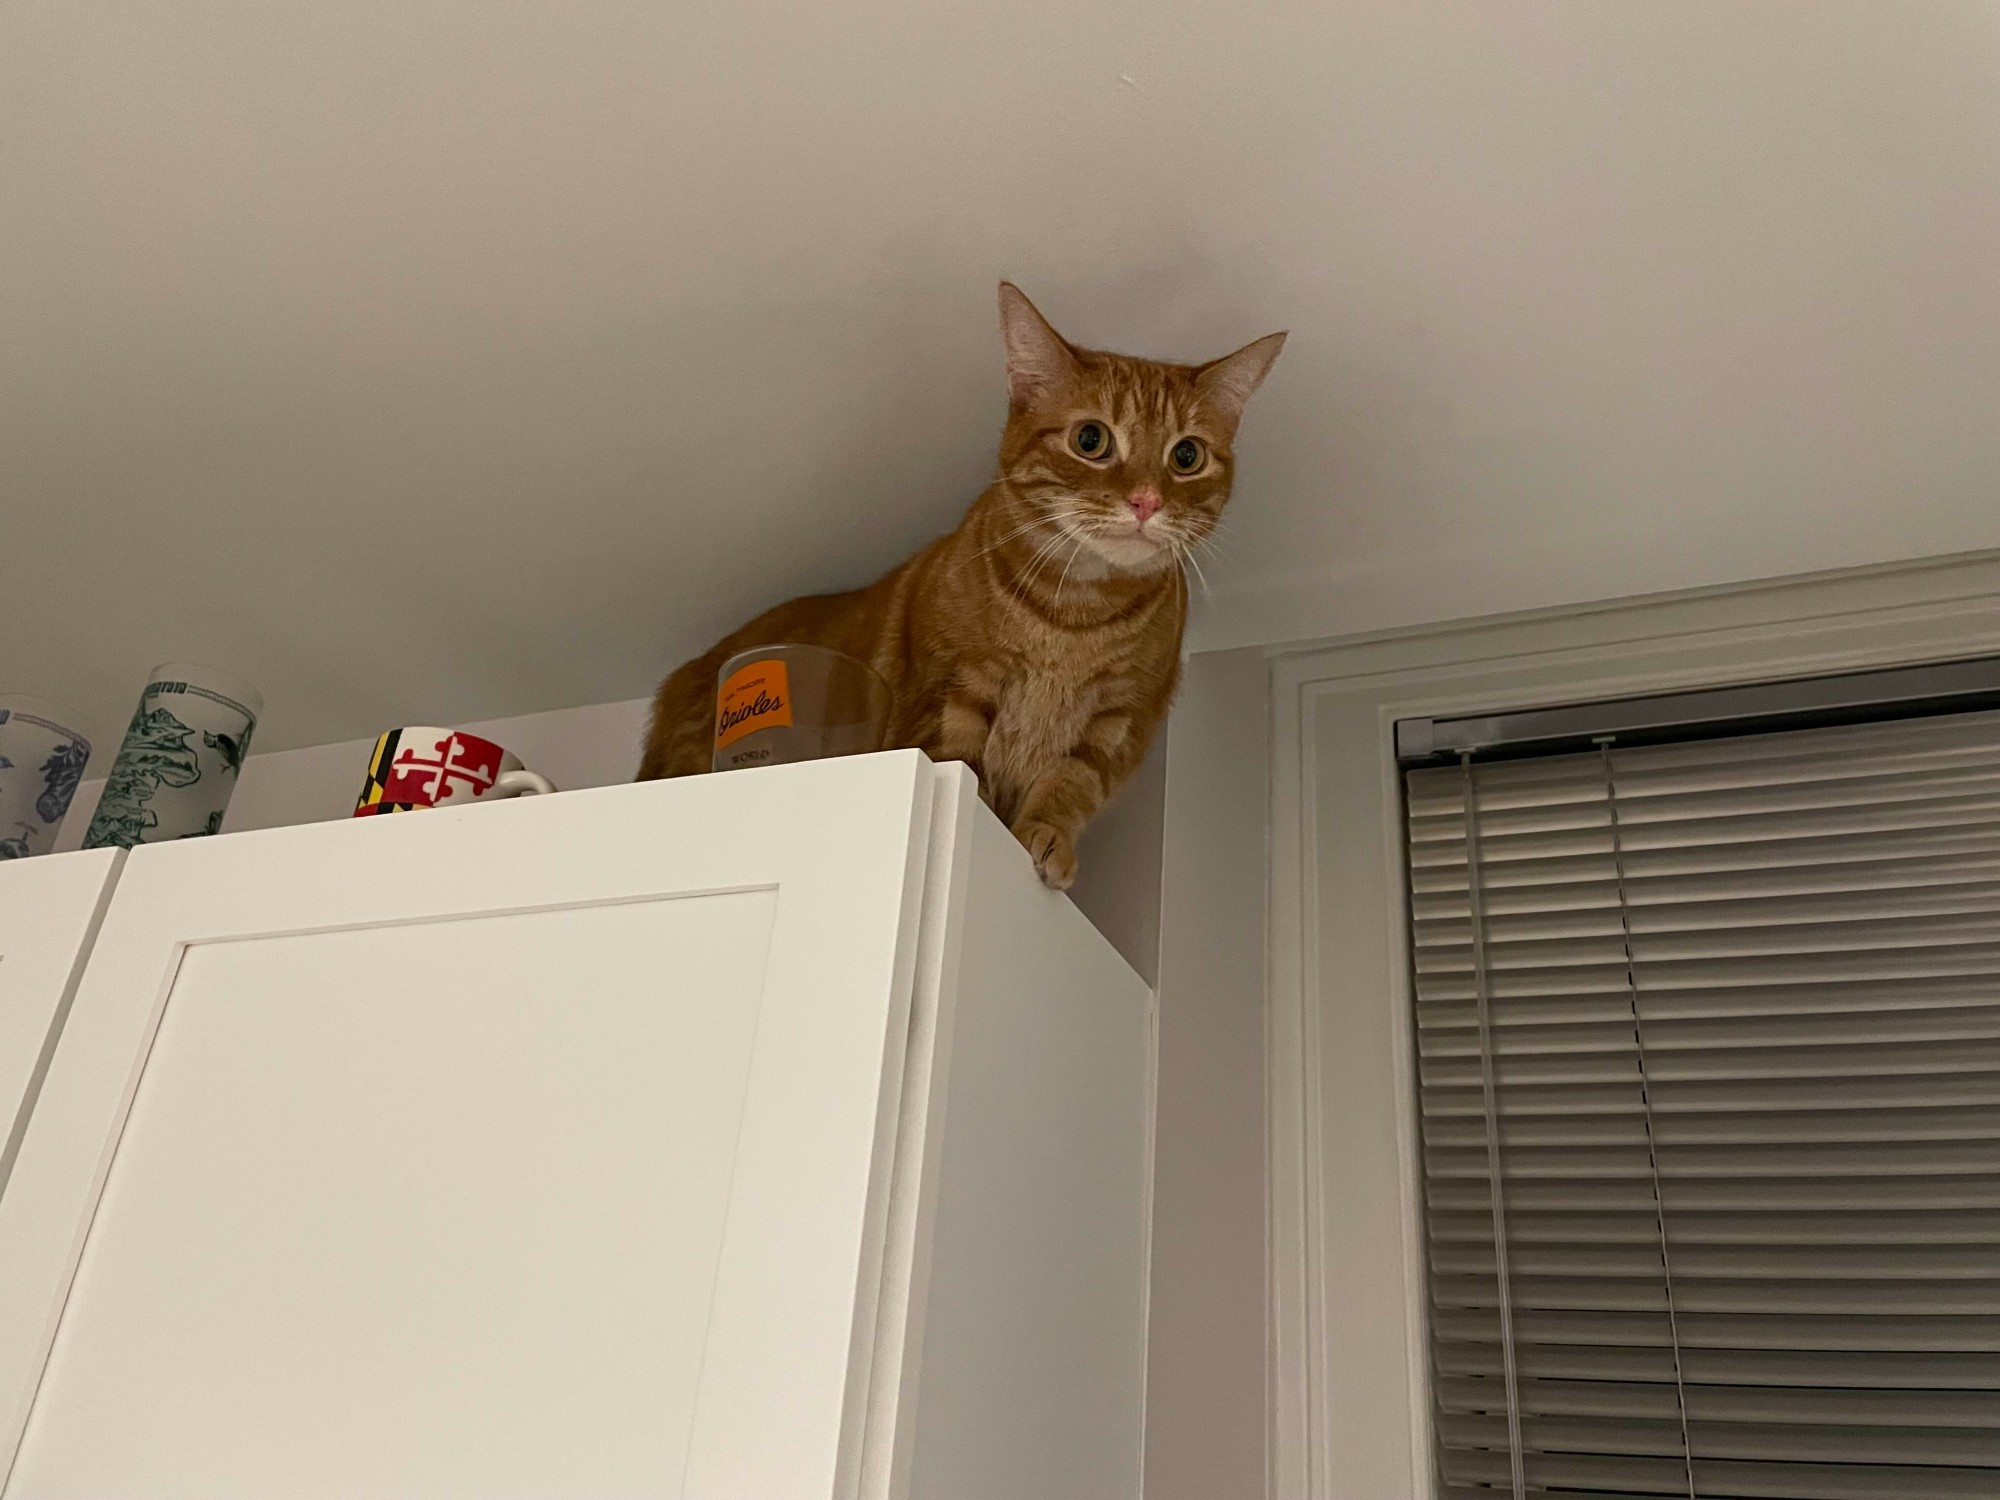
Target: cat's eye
1188	456
1092	440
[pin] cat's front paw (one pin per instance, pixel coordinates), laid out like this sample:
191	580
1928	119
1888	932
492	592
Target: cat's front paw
1053	851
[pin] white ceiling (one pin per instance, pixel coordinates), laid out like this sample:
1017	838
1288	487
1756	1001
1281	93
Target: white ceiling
445	361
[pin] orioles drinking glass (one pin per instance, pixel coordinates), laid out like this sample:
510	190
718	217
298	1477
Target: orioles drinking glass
779	704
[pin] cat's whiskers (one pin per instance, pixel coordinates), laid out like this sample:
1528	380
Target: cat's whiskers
1189	542
1212	540
1084	529
1076	542
1019	531
1082	539
1045	554
1182	540
1187	556
1043	513
1057	515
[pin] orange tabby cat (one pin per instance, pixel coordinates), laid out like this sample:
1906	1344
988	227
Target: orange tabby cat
1040	641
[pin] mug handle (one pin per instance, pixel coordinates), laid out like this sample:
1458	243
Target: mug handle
520	784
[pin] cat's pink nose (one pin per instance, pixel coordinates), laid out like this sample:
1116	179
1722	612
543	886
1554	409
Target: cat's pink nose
1143	503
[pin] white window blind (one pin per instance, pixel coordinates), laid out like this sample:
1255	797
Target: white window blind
1709	1051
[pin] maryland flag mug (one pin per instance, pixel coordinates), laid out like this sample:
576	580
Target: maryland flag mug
421	766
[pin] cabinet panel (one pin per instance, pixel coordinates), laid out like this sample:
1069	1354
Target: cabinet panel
48	908
303	1062
499	1271
1031	1376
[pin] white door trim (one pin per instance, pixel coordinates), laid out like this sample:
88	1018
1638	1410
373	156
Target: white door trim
1350	1412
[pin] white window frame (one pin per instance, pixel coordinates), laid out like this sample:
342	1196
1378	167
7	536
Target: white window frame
1349	1404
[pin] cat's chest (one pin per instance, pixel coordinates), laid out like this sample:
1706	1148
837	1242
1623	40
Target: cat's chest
1039	719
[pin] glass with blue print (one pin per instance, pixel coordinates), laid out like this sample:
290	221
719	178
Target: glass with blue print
177	768
43	750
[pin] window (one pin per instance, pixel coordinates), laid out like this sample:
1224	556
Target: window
1708	1040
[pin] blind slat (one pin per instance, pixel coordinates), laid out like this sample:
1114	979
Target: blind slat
1810	828
1892	1127
1763	1227
1752	1405
1724	1480
1842	1194
1770	1442
1446	1033
1618	1327
1708	1163
1830	1298
1659	1003
1848	1370
1855	1092
1587	885
1694	870
1749	1065
1807	1264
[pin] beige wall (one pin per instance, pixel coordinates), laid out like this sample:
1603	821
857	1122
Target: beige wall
463	359
1118	878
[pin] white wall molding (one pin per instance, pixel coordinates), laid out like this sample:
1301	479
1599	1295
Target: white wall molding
1206	1401
1349	1405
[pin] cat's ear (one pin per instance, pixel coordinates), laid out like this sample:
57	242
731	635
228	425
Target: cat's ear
1038	361
1227	384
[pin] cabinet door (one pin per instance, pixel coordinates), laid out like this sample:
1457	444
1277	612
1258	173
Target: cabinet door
48	907
520	1150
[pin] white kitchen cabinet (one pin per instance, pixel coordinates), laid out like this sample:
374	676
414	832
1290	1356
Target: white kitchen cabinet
750	1137
49	907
